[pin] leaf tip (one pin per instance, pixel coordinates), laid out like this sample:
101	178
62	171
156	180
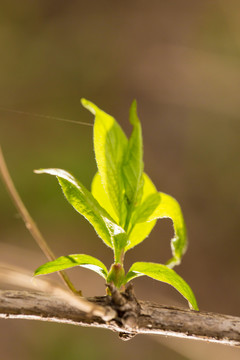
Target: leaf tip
36	273
89	105
133	113
134	104
38	171
83	101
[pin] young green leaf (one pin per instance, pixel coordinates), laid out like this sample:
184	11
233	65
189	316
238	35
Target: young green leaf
110	144
100	195
83	201
133	160
146	209
139	231
158	206
66	262
164	274
120	239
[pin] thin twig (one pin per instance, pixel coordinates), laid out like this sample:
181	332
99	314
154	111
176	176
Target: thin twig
29	223
44	116
151	319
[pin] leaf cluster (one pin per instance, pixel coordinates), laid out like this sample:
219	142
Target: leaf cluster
122	206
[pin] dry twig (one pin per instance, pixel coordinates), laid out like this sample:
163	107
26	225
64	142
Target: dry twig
29	222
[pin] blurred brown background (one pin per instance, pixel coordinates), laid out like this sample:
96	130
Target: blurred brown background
181	61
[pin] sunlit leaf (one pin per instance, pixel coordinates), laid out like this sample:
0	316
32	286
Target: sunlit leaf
167	207
133	160
101	196
164	274
145	210
110	144
83	201
140	231
66	262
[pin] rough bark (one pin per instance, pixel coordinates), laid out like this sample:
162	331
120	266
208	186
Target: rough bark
125	315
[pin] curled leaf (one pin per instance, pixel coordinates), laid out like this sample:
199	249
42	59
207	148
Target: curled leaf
159	206
164	274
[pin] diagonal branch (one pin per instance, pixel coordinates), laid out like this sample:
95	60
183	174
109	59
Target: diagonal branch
145	318
29	222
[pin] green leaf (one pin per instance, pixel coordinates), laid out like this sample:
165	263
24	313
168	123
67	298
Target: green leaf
163	273
83	201
101	196
133	160
146	209
66	262
110	144
120	240
139	231
165	206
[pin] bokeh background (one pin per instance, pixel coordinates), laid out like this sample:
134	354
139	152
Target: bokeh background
181	61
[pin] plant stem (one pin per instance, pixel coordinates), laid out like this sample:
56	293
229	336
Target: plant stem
29	223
